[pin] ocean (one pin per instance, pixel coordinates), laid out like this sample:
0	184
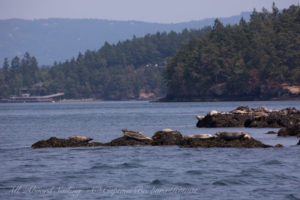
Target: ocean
141	172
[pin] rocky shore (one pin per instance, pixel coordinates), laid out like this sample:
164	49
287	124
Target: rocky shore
287	119
163	137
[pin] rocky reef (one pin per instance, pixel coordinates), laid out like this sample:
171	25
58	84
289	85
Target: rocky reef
163	137
244	116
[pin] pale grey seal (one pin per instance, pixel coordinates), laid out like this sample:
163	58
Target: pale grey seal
135	135
200	136
80	138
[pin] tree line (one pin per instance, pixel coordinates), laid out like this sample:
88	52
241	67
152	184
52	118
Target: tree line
250	60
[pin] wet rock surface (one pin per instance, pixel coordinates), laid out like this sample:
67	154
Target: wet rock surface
244	116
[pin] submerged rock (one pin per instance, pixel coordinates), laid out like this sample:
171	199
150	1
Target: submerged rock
278	146
244	116
54	142
167	137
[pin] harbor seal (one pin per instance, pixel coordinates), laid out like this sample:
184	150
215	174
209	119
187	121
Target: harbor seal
199	117
232	135
200	136
167	130
213	112
80	138
135	135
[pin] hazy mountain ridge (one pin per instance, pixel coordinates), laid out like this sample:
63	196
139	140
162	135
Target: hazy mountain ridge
60	39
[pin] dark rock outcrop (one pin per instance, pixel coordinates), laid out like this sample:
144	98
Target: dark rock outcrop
244	116
126	141
223	143
224	139
167	137
54	142
293	130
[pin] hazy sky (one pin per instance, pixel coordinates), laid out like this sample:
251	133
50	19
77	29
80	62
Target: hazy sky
142	10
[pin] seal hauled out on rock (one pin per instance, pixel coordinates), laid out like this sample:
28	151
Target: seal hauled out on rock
200	136
80	138
199	117
135	135
232	135
213	112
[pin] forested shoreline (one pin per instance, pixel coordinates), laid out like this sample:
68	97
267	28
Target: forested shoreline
258	60
131	69
255	60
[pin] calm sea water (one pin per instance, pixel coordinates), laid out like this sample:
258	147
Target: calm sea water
138	172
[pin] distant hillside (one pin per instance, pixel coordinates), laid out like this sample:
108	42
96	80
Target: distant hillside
60	39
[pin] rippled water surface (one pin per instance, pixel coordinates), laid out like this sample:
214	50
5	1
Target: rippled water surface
138	172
